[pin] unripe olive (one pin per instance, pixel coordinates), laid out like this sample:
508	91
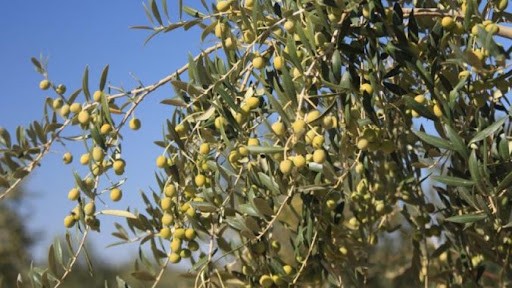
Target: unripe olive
98	154
204	148
44	84
135	124
167	219
448	23
69	221
266	281
279	62
166	203
366	88
179	233
176	245
67	158
200	180
223	5
278	128
299	161
61	89
161	161
170	190
75	108
220	122
258	62
84	117
64	110
89	209
174	257
319	156
190	234
286	166
74	194
57	103
116	194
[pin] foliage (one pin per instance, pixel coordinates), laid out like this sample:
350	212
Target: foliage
307	135
15	241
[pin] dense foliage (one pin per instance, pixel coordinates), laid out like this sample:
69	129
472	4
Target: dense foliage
309	135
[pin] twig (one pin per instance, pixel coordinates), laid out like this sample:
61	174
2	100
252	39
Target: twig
159	276
305	260
73	258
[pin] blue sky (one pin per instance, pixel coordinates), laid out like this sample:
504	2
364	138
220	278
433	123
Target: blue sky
73	35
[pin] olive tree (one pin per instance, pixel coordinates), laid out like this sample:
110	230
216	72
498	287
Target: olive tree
305	137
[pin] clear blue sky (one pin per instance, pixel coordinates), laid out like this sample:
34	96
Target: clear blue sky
73	34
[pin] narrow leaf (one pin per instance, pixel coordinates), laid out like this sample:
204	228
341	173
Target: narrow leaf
467	218
453	181
488	131
433	140
103	79
120	213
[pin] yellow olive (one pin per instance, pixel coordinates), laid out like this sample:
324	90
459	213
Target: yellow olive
170	190
289	26
204	148
105	129
83	117
116	194
135	124
57	103
437	110
97	95
84	159
73	194
179	233
299	161
266	281
176	245
190	234
366	88
278	128
253	142
44	84
312	116
287	269
67	158
89	209
64	110
165	233
98	154
200	180
166	203
318	141
278	62
258	62
448	23
286	166
220	122
362	144
174	257
420	98
223	5
167	219
319	156
253	102
75	108
161	161
69	221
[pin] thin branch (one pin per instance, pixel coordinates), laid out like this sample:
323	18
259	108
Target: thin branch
161	273
73	258
305	260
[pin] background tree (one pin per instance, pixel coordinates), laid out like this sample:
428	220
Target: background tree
298	145
15	242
